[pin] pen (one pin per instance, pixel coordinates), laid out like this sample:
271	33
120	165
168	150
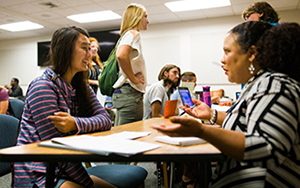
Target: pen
190	108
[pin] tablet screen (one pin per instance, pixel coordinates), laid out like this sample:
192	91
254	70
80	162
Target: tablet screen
185	96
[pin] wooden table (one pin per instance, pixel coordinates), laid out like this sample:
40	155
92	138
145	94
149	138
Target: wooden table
203	153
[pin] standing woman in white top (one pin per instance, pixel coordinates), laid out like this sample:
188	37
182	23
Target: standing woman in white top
130	87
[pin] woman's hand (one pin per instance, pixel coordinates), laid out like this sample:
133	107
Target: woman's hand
63	122
201	111
185	126
139	78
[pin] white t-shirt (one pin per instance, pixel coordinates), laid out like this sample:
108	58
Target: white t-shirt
136	59
155	92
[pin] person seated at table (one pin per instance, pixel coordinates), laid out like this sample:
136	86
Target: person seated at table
158	93
61	103
260	134
186	77
15	90
4	101
261	11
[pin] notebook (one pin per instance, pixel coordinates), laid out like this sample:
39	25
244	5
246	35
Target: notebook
180	141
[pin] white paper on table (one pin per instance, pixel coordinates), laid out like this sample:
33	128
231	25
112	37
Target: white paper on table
103	145
180	141
129	135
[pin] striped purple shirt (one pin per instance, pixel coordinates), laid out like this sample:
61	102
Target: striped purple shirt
44	99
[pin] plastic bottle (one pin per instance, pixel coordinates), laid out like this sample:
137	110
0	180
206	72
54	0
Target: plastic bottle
199	95
206	95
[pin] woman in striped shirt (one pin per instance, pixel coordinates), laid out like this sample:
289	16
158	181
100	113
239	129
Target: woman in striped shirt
260	133
60	103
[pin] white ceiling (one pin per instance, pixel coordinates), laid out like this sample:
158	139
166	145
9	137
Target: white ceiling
53	18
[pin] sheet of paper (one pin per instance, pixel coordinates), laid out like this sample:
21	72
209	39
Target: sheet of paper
128	135
51	144
103	145
181	141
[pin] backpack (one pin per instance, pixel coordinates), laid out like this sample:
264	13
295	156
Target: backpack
110	73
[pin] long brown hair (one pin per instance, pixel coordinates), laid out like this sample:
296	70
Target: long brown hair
61	50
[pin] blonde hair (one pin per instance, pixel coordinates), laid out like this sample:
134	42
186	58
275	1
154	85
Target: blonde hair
132	17
97	58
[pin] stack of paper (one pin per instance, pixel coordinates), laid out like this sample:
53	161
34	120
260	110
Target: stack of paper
118	143
180	141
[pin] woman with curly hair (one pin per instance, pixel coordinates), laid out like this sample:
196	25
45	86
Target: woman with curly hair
259	134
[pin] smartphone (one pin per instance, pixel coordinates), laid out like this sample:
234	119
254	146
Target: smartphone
185	96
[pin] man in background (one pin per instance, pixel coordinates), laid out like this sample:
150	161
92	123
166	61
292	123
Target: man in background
186	77
261	11
15	90
158	93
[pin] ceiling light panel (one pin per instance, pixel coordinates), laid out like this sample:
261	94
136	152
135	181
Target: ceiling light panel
94	16
21	26
187	5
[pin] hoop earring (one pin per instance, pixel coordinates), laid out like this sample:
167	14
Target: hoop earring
251	68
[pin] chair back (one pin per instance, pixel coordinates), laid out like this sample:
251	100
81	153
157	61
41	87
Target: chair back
8	130
16	106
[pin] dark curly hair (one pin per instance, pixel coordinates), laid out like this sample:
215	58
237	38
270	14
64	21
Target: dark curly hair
279	49
269	14
248	33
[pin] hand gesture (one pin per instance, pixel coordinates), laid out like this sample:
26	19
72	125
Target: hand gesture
201	111
63	122
184	126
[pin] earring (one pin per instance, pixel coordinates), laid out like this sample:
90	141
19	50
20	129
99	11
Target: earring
251	68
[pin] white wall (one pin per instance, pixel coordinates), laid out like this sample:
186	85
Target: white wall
192	45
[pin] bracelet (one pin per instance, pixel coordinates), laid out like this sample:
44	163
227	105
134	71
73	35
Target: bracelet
214	117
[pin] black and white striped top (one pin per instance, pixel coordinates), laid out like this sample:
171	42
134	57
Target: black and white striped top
268	113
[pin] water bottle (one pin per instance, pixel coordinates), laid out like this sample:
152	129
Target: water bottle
206	95
199	95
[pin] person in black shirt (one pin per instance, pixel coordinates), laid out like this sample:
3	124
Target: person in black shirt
15	90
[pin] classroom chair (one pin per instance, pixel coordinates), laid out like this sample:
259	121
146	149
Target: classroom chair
16	107
122	176
8	131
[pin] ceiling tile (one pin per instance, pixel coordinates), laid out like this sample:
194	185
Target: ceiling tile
187	15
45	15
157	9
165	17
115	4
218	12
26	8
73	3
90	8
